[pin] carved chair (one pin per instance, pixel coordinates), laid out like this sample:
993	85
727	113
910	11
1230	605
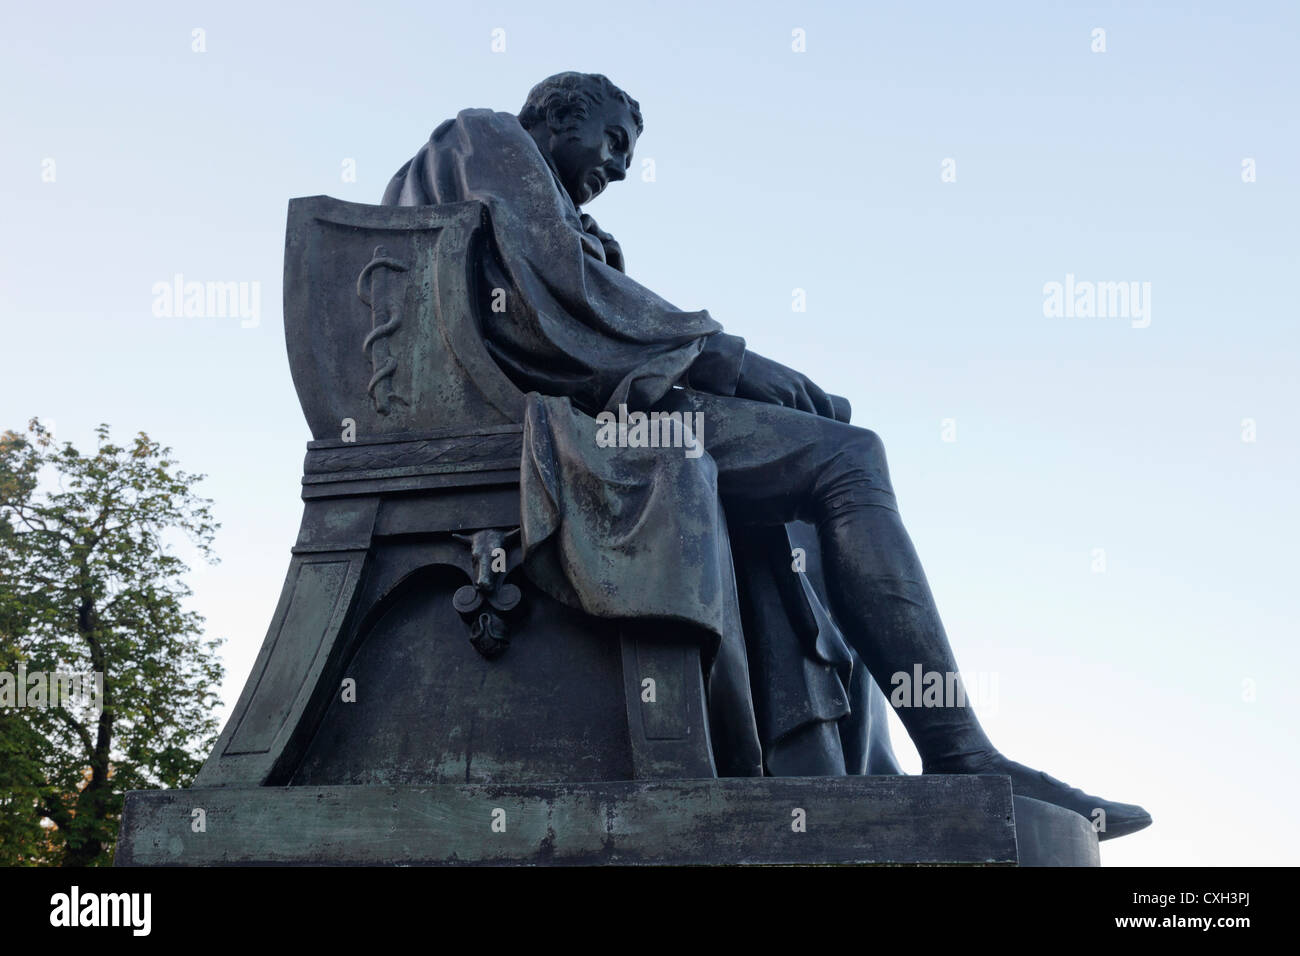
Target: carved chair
407	646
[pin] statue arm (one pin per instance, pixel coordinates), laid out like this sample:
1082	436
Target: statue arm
717	369
763	380
726	367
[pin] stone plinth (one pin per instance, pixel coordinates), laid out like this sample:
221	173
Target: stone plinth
772	820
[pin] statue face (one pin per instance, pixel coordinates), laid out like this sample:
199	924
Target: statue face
596	152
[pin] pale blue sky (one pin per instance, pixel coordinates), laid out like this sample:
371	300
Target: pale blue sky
778	170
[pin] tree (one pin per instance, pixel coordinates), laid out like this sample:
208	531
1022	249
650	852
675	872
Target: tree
89	586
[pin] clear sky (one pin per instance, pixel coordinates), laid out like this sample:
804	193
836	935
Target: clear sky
1081	443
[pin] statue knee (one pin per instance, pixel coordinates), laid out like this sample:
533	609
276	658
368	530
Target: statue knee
857	476
865	448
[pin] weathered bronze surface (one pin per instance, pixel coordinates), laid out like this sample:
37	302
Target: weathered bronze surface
563	536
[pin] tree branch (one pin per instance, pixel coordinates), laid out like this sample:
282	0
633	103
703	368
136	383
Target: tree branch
79	729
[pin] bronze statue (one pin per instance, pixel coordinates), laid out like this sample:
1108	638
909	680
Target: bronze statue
646	533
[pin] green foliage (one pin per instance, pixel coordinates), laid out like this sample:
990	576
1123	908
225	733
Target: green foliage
88	584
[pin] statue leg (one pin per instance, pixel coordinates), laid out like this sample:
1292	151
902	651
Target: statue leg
776	464
877	586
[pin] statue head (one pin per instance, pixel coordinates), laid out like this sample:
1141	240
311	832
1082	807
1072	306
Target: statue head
586	127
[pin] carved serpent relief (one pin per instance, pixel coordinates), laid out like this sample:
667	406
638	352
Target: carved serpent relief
384	298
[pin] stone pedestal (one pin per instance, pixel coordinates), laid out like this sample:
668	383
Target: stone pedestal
771	820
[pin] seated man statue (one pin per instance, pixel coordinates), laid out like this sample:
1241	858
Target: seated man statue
614	530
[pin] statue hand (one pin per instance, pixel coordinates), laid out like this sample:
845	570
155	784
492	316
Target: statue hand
613	251
763	380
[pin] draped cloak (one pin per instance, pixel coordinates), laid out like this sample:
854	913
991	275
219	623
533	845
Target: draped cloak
637	533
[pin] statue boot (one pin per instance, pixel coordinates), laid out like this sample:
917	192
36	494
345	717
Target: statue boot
880	594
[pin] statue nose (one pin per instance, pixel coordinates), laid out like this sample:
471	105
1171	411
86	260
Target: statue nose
615	172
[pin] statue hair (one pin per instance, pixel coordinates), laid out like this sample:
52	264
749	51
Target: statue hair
573	94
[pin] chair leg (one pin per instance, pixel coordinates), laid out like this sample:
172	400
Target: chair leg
666	712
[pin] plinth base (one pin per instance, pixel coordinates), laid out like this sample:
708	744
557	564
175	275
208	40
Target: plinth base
769	820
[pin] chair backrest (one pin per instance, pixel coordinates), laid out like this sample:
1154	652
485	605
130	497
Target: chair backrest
381	320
